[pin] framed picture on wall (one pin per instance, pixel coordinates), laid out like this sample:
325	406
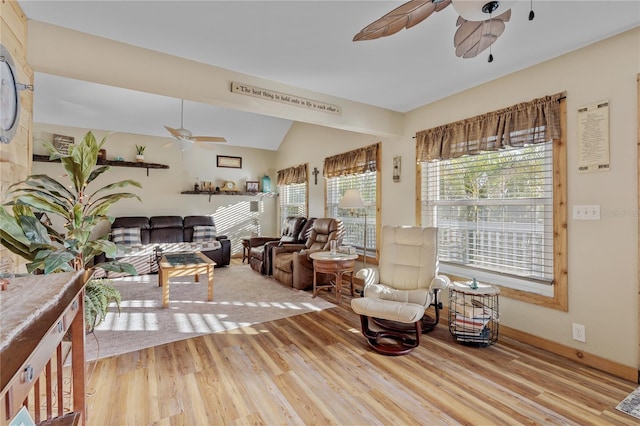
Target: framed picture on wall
230	162
252	186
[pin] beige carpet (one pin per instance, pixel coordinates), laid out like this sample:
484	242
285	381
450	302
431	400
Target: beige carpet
242	297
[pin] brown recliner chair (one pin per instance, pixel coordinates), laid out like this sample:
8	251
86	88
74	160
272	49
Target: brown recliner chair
292	265
260	247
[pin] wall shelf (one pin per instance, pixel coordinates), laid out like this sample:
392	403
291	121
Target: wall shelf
246	194
134	164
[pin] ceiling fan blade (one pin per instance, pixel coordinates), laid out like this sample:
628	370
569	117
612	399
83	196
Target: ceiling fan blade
404	16
168	144
174	132
473	37
207	139
204	145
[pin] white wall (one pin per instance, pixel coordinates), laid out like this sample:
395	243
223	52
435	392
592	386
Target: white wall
160	191
603	269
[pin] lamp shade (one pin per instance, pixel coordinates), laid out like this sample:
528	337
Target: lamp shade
351	200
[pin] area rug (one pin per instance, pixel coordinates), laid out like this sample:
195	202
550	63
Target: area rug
631	404
242	297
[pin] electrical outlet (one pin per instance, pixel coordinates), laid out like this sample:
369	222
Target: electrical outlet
579	332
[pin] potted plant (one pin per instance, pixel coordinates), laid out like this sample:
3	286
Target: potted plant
46	249
99	294
140	153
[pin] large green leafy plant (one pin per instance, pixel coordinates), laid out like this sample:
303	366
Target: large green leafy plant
44	247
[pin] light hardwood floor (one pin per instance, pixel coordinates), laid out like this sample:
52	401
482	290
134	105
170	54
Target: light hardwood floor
316	368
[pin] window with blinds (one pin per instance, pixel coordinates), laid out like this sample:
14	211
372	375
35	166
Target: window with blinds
494	212
357	220
293	201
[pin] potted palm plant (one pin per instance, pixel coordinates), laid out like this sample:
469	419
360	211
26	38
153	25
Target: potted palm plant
46	249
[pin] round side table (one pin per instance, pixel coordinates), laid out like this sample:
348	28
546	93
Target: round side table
335	264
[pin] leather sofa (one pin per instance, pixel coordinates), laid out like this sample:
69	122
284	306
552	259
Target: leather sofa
291	263
295	231
169	234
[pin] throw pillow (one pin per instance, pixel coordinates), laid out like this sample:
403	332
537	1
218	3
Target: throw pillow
127	236
203	233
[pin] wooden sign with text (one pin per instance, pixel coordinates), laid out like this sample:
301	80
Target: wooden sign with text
271	95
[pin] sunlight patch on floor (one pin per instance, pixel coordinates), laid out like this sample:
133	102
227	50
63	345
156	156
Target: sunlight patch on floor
125	321
207	323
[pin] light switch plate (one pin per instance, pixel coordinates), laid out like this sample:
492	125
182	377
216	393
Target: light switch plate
586	212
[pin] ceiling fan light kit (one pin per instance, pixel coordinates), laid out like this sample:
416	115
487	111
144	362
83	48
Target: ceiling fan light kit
475	32
185	135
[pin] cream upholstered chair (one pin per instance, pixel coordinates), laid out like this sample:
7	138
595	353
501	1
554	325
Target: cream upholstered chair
398	292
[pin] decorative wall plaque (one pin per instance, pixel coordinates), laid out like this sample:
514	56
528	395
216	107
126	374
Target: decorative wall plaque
62	143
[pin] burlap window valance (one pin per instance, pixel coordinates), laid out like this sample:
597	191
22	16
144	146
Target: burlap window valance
532	122
353	162
291	175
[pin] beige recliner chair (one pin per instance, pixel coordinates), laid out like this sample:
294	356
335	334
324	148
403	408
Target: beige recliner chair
398	292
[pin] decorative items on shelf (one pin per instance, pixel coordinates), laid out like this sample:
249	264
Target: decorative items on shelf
196	187
266	184
140	153
229	186
206	186
252	186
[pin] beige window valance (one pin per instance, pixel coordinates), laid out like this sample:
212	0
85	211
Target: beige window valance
291	175
353	162
532	122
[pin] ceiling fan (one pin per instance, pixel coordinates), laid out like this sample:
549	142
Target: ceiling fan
475	32
184	135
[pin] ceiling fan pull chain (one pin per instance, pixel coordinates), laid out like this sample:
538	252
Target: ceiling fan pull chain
531	14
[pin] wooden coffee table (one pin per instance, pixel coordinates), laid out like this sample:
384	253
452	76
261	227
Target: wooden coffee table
336	264
182	265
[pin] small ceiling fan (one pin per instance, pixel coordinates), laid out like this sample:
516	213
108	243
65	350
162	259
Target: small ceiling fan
475	32
185	135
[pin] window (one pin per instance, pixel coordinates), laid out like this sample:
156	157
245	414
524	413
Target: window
292	188
495	186
357	222
494	212
357	169
293	200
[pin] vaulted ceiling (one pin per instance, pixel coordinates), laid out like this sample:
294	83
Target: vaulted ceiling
307	44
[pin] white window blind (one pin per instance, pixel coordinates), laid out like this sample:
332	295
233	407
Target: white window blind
494	213
293	201
354	220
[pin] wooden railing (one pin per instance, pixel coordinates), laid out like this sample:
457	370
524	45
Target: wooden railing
38	311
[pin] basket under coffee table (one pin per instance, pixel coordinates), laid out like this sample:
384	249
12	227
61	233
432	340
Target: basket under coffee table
182	265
